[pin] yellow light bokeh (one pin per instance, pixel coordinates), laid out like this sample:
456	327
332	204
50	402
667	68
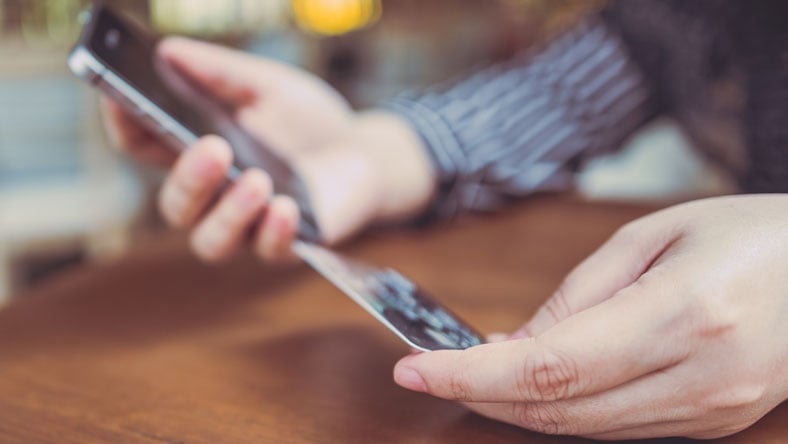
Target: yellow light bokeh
335	17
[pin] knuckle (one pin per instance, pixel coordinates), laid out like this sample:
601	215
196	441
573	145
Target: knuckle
709	313
558	305
542	418
739	398
547	375
458	387
628	233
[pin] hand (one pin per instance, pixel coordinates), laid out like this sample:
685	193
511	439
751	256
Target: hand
351	163
677	326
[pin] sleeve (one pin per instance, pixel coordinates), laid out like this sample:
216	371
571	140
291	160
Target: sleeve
524	126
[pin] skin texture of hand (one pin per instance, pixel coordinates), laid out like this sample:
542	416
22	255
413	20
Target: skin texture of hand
348	160
677	326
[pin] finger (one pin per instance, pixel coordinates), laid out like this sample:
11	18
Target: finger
638	405
222	231
124	131
278	229
615	265
229	74
592	351
194	181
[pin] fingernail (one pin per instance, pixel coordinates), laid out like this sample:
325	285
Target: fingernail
410	379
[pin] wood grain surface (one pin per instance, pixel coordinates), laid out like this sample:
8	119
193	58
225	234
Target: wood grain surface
157	348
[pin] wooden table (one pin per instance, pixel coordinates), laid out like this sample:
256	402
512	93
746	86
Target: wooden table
157	348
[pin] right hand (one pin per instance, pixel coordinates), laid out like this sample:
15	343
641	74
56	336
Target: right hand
352	163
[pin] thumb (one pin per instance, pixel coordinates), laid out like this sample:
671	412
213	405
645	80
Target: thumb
614	266
231	75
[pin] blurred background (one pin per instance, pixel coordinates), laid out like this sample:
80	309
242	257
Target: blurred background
67	197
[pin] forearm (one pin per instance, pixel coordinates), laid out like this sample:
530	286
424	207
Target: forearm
403	174
520	127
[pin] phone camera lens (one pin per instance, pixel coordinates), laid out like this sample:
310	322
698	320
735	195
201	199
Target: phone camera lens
112	39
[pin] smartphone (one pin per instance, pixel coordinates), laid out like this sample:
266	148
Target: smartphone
118	56
394	300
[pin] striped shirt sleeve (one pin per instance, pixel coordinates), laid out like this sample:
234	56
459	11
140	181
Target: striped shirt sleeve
523	126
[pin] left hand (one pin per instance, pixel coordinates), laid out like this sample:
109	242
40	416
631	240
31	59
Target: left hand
677	326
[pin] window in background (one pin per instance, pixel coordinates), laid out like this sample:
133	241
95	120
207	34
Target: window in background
63	195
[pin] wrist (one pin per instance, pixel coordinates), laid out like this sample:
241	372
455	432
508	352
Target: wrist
377	172
404	180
